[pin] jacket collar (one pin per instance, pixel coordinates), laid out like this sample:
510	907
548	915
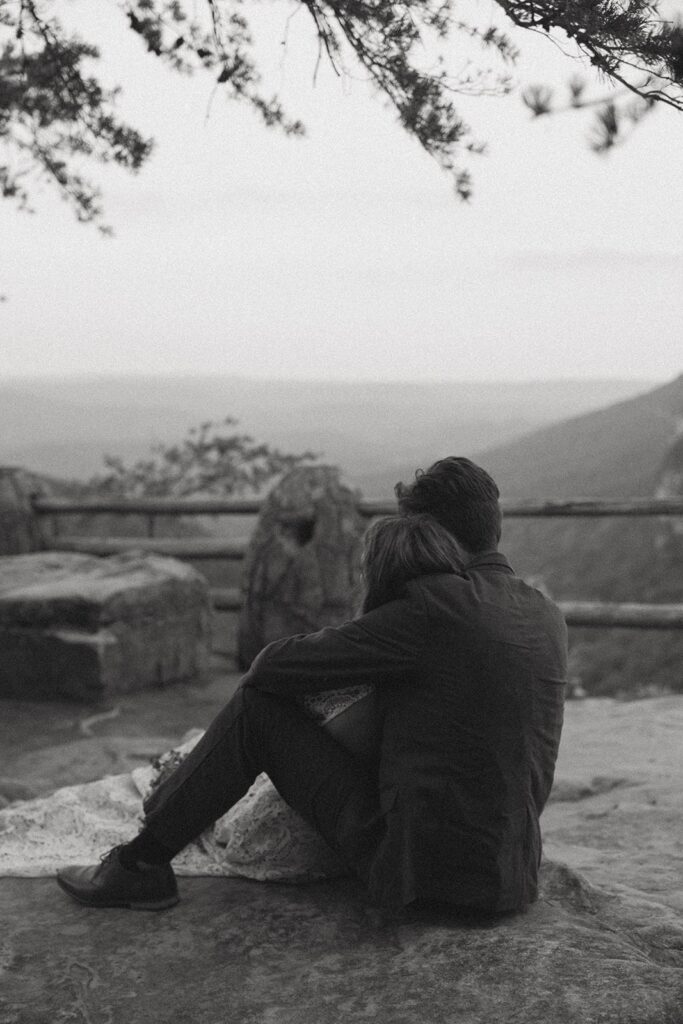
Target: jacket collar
489	560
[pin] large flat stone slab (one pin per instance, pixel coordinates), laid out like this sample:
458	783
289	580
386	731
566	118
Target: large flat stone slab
603	945
79	627
275	954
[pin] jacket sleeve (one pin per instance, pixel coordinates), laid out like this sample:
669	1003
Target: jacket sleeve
383	645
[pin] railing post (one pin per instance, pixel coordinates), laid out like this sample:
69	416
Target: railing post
19	526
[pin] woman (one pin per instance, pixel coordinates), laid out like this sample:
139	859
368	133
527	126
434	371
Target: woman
399	548
396	549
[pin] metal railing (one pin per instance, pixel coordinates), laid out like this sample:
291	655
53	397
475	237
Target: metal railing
577	613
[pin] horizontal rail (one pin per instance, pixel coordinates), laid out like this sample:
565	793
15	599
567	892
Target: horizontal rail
630	616
595	507
174	547
576	613
146	506
367	507
560	507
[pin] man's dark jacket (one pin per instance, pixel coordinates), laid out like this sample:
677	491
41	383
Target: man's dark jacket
470	672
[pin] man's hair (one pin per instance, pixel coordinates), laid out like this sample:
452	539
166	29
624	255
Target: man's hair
461	496
399	548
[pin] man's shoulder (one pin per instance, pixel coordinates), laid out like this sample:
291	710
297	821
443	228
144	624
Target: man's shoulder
480	589
442	595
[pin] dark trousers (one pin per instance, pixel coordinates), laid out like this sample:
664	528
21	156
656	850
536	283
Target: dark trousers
258	732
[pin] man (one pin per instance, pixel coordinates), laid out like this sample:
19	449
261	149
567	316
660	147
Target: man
470	673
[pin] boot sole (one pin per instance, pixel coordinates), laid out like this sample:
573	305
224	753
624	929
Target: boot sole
162	904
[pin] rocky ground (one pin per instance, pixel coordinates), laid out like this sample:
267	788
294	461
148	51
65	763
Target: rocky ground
604	944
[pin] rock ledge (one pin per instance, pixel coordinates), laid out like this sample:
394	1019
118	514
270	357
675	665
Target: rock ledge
83	628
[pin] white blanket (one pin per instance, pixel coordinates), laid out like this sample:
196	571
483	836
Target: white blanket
260	837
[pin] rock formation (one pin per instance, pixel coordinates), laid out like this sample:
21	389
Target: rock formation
301	570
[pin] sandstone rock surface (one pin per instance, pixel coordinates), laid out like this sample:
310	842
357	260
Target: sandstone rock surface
603	945
301	570
235	950
81	627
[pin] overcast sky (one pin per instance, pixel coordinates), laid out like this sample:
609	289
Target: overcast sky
346	255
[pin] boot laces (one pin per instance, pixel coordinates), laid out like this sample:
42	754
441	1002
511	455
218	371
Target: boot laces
110	854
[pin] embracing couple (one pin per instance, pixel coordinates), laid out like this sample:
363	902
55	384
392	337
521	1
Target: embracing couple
430	784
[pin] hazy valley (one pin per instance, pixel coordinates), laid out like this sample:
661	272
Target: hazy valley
538	440
375	432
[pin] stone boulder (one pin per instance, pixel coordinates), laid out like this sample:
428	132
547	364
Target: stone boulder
80	627
301	570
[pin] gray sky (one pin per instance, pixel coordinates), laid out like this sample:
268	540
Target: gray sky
346	254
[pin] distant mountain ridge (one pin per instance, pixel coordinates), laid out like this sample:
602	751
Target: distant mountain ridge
615	452
619	451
